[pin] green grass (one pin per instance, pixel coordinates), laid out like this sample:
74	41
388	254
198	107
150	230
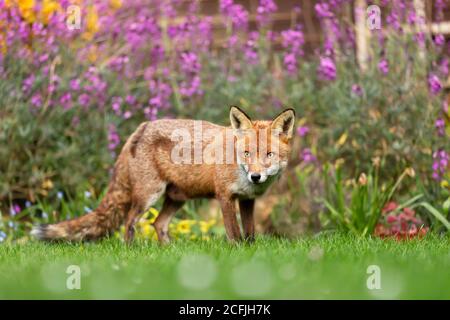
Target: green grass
325	267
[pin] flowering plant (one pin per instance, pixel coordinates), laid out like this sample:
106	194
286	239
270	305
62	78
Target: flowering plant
403	225
69	97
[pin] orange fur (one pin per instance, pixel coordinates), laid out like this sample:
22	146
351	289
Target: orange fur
145	171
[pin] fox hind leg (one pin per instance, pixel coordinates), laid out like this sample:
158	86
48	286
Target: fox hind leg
161	224
143	199
133	215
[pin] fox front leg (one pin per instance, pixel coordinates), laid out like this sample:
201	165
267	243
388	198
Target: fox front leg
229	219
246	208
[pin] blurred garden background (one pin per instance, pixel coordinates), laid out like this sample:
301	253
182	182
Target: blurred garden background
371	154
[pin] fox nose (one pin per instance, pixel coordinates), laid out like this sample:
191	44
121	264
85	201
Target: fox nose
255	177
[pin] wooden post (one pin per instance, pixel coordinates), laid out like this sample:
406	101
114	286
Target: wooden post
361	34
419	7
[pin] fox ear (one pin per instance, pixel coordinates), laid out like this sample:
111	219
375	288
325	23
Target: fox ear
284	123
239	120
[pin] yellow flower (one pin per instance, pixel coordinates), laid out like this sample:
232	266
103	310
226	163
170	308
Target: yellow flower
154	212
150	216
444	184
92	54
184	226
26	4
115	4
2	45
26	8
410	172
206	225
339	162
47	184
92	24
48	8
342	139
147	230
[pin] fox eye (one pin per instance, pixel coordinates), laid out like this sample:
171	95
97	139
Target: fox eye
270	154
246	154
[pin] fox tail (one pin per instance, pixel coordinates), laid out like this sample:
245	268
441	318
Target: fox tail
101	222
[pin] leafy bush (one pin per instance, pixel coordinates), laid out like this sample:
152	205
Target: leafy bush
69	98
356	206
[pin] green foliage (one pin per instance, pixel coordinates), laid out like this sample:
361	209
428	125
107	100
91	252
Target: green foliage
356	206
41	152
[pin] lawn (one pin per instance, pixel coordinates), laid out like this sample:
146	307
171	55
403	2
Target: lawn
323	267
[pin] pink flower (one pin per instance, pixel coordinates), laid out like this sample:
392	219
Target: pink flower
327	69
383	66
434	84
302	131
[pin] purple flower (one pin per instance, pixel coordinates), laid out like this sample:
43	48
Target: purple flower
235	13
160	94
434	84
290	62
307	156
189	62
239	16
27	84
75	84
36	100
302	131
84	100
14	210
357	90
191	87
293	40
265	8
225	5
443	67
323	10
116	104
420	38
383	66
127	115
250	48
113	139
327	69
130	100
394	21
439	40
66	100
151	113
440	126
440	164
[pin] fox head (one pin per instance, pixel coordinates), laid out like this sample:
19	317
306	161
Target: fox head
262	147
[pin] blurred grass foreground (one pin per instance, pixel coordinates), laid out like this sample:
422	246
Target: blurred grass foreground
334	266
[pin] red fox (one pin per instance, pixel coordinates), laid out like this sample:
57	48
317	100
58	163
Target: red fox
149	167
